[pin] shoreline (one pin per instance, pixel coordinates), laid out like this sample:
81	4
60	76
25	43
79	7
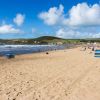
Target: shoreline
29	49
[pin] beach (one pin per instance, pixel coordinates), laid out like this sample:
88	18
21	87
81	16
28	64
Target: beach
69	74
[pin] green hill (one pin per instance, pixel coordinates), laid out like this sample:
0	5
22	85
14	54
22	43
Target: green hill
46	40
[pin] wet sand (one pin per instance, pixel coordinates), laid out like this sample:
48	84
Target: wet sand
61	75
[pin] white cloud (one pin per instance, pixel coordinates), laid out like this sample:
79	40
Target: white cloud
52	16
80	15
97	35
84	15
78	22
63	33
5	29
19	19
70	33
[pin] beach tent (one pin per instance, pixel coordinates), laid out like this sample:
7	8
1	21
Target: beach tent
9	56
97	53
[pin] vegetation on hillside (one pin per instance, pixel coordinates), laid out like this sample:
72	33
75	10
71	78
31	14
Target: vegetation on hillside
46	40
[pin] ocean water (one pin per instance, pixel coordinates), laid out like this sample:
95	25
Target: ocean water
25	49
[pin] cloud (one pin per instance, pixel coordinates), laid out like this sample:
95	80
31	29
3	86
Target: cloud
83	15
70	33
52	16
81	21
63	33
5	29
19	19
80	15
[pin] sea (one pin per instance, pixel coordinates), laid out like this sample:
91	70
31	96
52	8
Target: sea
26	49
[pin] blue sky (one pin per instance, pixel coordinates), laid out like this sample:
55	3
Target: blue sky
61	18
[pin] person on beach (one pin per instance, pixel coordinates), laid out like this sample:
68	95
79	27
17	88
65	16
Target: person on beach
92	48
84	49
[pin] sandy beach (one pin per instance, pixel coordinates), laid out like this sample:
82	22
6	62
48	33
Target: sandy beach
69	74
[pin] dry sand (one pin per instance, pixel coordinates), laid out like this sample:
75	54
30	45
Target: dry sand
61	75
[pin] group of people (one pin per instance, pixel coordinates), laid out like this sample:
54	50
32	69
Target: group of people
92	46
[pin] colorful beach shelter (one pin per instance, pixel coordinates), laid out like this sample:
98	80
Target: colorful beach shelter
9	56
97	53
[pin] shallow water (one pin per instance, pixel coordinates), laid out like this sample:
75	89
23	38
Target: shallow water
24	49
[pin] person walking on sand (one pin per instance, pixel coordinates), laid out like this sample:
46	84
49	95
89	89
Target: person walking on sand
84	49
93	49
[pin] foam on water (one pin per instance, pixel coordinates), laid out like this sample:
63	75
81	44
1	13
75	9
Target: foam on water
24	49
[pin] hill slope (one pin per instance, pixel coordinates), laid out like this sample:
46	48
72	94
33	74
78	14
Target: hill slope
46	40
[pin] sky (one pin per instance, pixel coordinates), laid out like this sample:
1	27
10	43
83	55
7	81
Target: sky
60	18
